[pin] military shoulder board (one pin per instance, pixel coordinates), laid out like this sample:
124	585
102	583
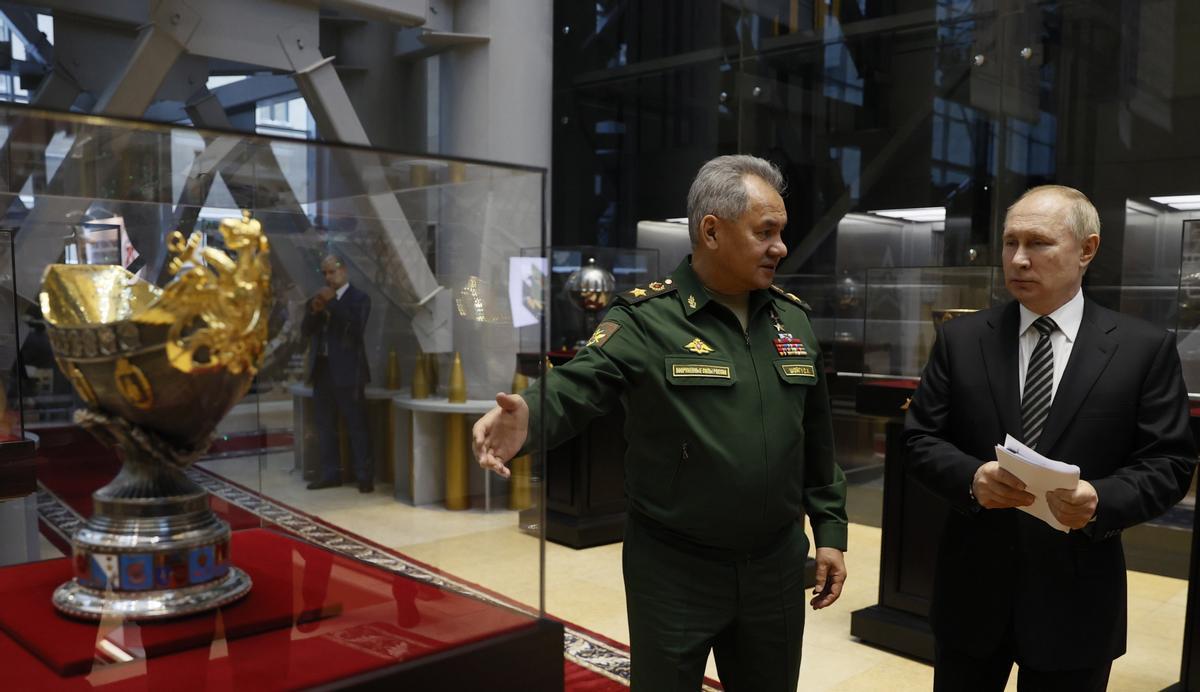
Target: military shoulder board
792	297
651	290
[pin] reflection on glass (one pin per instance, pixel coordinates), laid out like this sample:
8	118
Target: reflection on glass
363	580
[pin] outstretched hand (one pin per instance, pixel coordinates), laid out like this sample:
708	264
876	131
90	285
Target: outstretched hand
498	435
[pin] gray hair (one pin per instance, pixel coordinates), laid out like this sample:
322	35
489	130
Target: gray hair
719	188
1080	214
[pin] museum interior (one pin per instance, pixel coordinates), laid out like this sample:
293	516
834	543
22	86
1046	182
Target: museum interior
192	496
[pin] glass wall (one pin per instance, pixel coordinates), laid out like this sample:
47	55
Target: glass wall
311	348
904	128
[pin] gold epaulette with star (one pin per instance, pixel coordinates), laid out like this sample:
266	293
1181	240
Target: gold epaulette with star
651	290
792	297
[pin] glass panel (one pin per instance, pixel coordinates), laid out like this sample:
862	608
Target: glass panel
904	305
595	38
401	304
584	280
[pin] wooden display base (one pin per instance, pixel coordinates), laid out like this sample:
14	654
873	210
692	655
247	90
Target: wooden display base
895	630
587	531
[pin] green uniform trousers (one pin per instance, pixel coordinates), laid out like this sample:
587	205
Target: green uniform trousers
682	602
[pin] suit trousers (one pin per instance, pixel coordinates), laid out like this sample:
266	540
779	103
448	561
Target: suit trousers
955	671
681	605
331	398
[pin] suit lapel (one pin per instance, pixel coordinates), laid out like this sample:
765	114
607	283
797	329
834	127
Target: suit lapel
1094	347
1000	365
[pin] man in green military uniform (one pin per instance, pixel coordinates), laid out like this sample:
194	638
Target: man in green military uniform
730	445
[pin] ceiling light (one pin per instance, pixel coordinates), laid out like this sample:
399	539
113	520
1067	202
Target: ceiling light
678	219
918	214
1180	202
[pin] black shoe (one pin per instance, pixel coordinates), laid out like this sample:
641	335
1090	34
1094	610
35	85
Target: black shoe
317	485
366	487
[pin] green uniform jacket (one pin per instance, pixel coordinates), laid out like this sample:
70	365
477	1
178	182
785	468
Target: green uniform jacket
730	436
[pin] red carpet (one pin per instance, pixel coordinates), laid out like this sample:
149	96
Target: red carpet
72	465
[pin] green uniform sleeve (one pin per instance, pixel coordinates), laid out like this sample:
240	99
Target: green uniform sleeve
569	396
824	482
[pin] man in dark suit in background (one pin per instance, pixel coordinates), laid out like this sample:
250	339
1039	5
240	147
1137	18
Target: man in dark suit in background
335	321
1078	383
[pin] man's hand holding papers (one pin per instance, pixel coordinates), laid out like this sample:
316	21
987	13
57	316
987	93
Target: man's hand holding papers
1074	508
1059	498
997	488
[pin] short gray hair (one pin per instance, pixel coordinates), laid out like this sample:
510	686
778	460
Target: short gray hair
720	189
1080	214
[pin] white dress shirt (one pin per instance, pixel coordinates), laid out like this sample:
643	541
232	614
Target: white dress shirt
1068	318
342	291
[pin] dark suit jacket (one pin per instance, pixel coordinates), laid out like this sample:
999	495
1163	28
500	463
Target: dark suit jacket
1120	413
343	323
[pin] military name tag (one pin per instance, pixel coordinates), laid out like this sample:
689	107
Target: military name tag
799	370
685	370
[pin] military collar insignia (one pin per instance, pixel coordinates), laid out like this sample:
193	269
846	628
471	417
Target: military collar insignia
692	302
785	343
698	347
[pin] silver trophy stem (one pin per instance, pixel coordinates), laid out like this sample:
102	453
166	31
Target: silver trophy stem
152	549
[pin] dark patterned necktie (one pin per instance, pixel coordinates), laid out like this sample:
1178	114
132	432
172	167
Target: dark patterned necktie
1039	382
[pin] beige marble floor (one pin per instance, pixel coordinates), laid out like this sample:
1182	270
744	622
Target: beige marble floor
584	586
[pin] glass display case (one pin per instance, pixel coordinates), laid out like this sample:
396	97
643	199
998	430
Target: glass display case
584	280
18	476
353	507
902	305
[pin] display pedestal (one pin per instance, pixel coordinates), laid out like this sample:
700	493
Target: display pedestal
307	444
419	455
585	486
18	503
913	520
313	619
585	481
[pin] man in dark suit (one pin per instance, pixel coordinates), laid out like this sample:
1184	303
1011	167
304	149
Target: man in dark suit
1087	386
335	321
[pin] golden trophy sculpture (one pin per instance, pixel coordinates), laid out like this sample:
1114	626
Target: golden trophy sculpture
158	369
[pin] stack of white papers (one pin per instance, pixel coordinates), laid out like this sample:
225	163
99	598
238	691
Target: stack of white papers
1039	474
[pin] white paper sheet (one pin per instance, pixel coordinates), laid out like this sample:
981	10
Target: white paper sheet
1039	474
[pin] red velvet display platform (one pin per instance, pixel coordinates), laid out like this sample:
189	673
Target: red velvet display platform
68	646
384	619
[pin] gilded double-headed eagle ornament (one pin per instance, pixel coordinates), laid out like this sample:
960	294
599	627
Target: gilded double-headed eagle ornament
151	355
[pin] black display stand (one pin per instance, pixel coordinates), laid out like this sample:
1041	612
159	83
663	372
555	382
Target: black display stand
584	477
585	486
913	520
